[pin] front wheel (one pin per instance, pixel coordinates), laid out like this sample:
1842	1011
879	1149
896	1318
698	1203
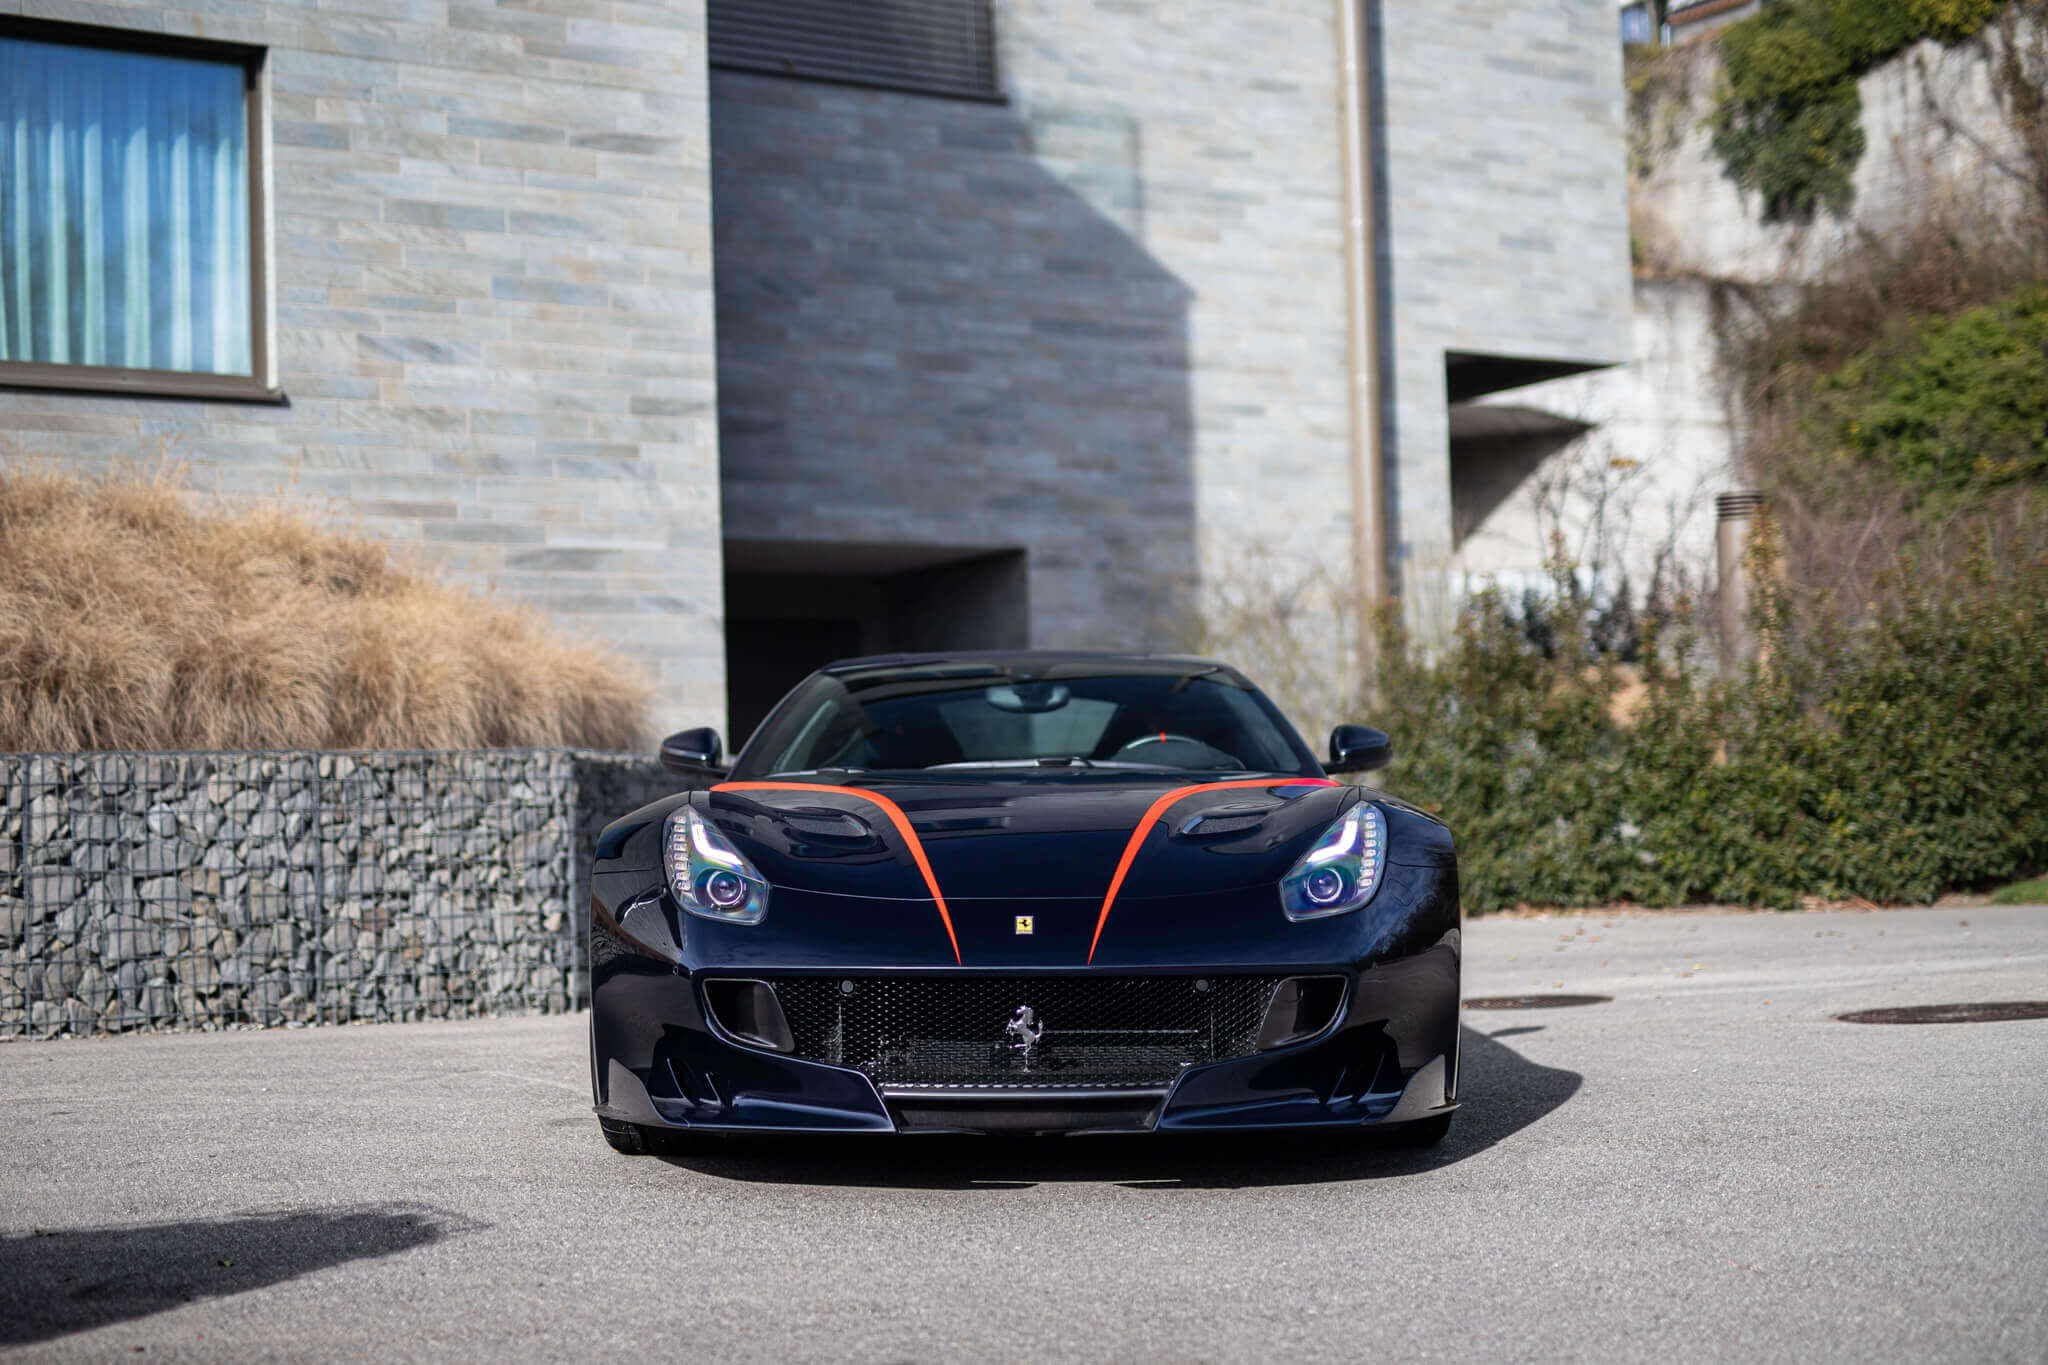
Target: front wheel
628	1138
633	1139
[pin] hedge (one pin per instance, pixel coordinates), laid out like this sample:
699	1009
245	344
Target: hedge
1890	760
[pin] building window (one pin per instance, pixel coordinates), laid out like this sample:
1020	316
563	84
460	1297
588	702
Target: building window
1635	24
933	47
130	214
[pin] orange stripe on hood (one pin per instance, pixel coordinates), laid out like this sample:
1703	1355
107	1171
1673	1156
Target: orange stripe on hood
896	818
1157	809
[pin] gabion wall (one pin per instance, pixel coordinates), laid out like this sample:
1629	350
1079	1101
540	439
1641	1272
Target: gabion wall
206	890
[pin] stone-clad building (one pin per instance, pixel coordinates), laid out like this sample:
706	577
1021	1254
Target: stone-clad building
742	333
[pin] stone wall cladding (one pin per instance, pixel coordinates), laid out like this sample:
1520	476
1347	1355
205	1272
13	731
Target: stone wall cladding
1211	134
1504	200
1101	321
183	891
491	234
1105	320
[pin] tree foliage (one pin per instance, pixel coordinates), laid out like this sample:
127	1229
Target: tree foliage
1950	404
1787	121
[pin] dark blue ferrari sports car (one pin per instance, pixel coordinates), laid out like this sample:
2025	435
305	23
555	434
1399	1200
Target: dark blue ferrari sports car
1024	893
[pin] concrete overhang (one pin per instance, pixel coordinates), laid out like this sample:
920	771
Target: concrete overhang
868	559
1470	374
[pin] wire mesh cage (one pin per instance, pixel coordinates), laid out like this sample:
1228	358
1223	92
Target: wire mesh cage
211	890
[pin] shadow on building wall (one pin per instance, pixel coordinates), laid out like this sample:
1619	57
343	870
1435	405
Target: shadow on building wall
953	387
1495	451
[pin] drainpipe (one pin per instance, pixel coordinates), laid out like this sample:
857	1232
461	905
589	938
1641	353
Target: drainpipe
1734	514
1361	291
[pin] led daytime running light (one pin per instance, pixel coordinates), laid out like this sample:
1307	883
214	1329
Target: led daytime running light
1343	870
708	876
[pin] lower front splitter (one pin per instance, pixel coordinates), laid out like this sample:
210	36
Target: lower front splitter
1033	1112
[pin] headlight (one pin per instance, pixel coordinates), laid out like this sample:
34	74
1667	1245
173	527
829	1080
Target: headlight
1342	871
708	875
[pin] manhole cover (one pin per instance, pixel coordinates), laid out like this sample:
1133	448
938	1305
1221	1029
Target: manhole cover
1533	1002
1982	1012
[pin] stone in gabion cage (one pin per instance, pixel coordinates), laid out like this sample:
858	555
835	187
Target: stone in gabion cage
182	891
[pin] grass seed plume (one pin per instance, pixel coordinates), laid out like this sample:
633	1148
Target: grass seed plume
130	619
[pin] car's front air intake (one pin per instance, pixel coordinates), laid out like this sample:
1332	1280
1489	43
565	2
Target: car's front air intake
1023	1032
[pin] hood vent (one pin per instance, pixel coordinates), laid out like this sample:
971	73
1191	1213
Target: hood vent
827	831
1235	817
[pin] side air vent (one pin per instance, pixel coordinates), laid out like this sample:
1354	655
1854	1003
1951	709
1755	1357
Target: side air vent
1302	1007
749	1012
932	47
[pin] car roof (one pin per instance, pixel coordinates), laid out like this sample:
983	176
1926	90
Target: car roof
1035	662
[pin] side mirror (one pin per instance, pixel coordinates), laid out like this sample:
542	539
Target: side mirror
692	753
1359	749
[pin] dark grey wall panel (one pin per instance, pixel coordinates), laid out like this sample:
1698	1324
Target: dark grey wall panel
924	337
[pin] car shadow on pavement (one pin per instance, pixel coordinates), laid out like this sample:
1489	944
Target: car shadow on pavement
1502	1091
54	1282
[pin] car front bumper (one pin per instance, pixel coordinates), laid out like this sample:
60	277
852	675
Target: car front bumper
1388	1055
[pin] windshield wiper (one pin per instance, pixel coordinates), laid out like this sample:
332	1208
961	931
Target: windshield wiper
1056	761
1180	684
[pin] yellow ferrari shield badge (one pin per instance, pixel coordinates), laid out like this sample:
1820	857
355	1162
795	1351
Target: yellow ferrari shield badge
1023	924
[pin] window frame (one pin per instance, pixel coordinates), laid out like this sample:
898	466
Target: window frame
260	386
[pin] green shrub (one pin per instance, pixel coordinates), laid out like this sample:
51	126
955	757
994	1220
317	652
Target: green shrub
1953	403
1787	121
1895	411
1950	21
1892	760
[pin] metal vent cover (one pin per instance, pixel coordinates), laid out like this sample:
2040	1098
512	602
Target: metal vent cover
933	47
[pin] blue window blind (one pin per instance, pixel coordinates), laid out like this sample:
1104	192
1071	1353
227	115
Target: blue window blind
124	210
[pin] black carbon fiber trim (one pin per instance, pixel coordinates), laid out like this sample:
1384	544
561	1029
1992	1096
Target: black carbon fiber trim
1087	1032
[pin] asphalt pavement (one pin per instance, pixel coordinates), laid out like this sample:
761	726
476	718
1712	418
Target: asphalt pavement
1708	1167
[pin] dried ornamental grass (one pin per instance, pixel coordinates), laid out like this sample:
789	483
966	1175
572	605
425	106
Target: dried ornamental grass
130	620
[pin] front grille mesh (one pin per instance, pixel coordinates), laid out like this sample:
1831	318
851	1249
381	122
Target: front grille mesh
912	1033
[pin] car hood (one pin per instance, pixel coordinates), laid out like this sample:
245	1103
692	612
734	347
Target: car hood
984	837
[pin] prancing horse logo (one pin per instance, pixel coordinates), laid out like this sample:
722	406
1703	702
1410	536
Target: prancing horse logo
1024	1031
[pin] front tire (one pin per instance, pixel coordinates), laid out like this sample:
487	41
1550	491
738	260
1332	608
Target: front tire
626	1138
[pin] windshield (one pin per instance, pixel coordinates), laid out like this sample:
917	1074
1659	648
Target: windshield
1161	722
